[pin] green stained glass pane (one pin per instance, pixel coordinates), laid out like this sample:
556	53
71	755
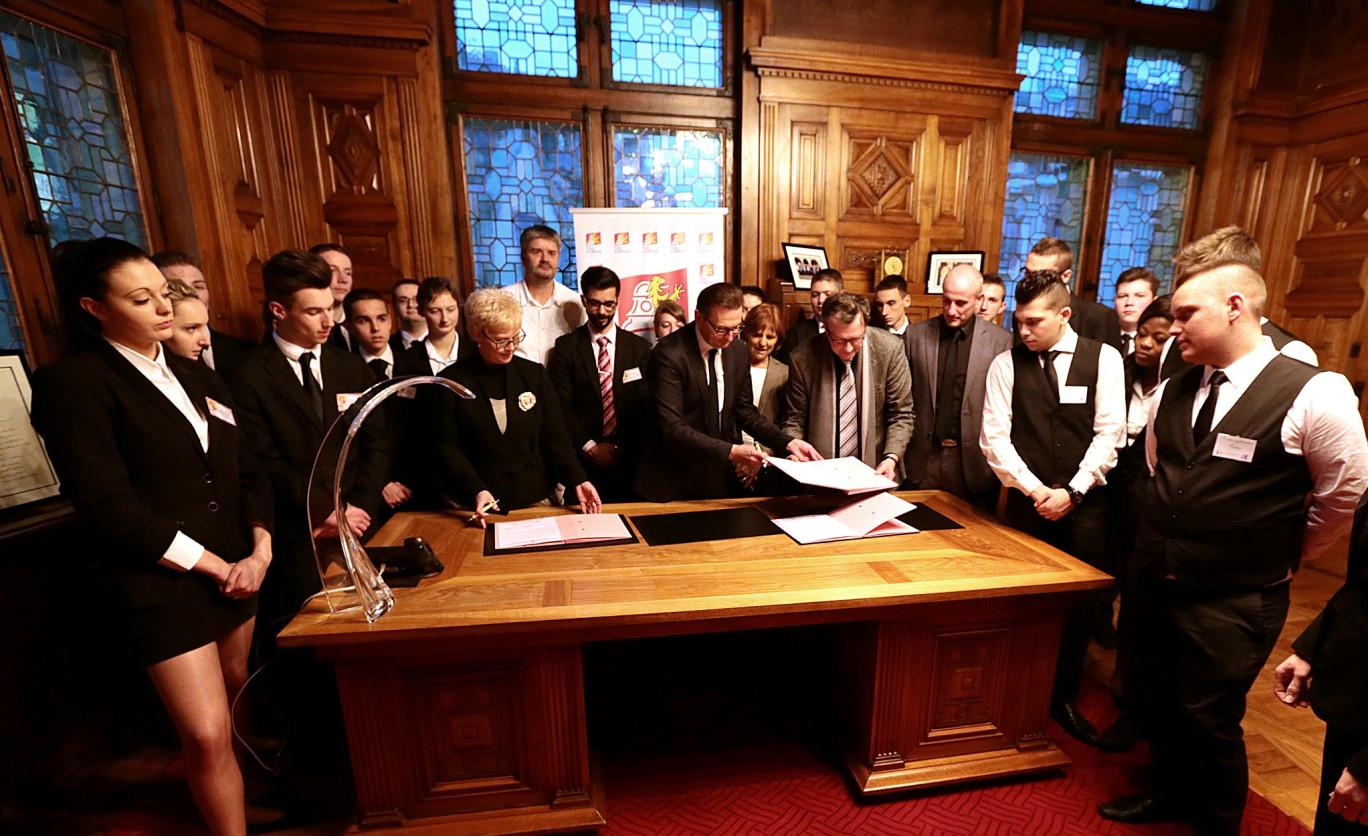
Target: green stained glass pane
1046	196
664	167
528	37
1144	222
1062	75
67	97
675	42
520	173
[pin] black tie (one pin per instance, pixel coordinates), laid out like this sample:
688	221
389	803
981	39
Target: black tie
1126	341
311	389
1202	428
711	410
1051	377
381	369
947	417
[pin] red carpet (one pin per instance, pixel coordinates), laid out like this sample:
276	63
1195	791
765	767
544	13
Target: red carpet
788	790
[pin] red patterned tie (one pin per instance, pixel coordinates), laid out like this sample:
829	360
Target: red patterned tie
605	371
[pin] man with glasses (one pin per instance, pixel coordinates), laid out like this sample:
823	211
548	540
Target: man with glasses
850	393
550	309
598	371
824	283
699	378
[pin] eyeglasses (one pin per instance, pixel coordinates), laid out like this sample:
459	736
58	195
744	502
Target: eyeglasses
854	342
513	342
596	305
722	332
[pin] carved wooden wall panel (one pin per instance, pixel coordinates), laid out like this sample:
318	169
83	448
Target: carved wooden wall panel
968	673
881	174
807	189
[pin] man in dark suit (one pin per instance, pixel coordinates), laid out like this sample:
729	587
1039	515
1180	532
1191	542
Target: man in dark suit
224	350
340	263
824	283
599	374
1089	319
890	306
949	356
1257	461
699	378
1329	654
850	392
412	325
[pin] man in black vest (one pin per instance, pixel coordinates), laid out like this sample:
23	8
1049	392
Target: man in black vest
1089	319
1257	463
1053	418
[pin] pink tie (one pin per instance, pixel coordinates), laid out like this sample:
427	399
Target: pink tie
605	370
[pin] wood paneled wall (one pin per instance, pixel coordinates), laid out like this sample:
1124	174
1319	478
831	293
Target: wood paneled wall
293	123
1294	171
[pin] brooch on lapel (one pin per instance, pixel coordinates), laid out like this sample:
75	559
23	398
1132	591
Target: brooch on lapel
526	401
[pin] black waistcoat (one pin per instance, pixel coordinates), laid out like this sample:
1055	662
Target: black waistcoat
1049	436
1214	523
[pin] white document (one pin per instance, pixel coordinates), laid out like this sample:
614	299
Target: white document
874	516
557	531
848	474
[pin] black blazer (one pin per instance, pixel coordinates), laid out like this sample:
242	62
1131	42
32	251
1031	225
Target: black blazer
286	434
414	360
802	331
690	462
229	351
573	367
521	466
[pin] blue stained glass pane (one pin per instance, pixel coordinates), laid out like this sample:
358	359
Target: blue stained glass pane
1163	87
1144	222
66	96
528	37
1046	195
1194	5
1062	75
11	336
519	174
664	167
667	42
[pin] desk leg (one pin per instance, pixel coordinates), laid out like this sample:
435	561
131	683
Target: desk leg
492	742
957	692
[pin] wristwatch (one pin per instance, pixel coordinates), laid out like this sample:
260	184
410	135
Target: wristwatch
1076	496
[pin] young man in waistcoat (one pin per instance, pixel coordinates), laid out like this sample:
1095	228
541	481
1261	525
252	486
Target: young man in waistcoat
1257	461
1053	418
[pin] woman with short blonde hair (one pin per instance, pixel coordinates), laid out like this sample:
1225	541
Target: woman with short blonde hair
492	309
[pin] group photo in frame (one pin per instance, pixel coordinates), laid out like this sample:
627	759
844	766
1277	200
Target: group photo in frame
938	264
804	262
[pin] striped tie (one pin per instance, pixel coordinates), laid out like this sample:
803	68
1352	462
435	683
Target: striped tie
605	371
849	415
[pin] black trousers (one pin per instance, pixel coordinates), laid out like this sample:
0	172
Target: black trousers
1340	745
1200	655
1081	533
945	472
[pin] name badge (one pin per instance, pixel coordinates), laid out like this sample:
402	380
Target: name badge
345	400
631	374
1234	448
221	412
1074	394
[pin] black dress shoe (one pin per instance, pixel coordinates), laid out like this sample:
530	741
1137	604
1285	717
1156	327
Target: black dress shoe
1122	736
1069	718
1138	809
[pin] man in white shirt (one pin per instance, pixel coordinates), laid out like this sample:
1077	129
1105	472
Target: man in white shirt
368	319
1257	462
550	309
1054	414
1135	289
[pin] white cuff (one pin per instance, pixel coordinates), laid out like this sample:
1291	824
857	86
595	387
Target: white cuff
182	554
589	445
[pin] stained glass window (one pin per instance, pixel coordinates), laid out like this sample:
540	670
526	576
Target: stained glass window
1194	5
667	41
1046	195
663	167
1163	87
1062	74
11	336
519	174
530	37
1144	222
66	93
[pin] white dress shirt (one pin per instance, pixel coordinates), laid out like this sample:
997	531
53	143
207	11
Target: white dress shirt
1109	418
184	552
387	355
292	354
407	339
436	360
547	323
1323	426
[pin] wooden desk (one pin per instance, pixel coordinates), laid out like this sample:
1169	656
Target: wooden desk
465	704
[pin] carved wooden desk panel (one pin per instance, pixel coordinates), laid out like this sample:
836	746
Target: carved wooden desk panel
464	705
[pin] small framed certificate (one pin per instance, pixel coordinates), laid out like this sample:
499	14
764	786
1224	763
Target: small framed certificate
26	473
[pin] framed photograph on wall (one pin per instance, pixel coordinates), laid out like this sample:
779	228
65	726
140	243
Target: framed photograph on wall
804	262
939	264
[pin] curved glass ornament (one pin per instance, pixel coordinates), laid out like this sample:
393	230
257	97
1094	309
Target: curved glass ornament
350	580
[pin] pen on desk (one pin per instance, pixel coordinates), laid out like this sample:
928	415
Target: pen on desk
490	505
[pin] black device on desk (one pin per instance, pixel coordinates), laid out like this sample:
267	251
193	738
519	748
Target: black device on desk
407	564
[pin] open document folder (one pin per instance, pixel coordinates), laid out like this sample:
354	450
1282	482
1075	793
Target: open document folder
872	516
557	531
849	475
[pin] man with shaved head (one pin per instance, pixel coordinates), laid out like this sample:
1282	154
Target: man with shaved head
1258	461
950	355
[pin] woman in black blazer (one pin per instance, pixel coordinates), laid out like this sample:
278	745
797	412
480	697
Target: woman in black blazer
519	463
148	451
